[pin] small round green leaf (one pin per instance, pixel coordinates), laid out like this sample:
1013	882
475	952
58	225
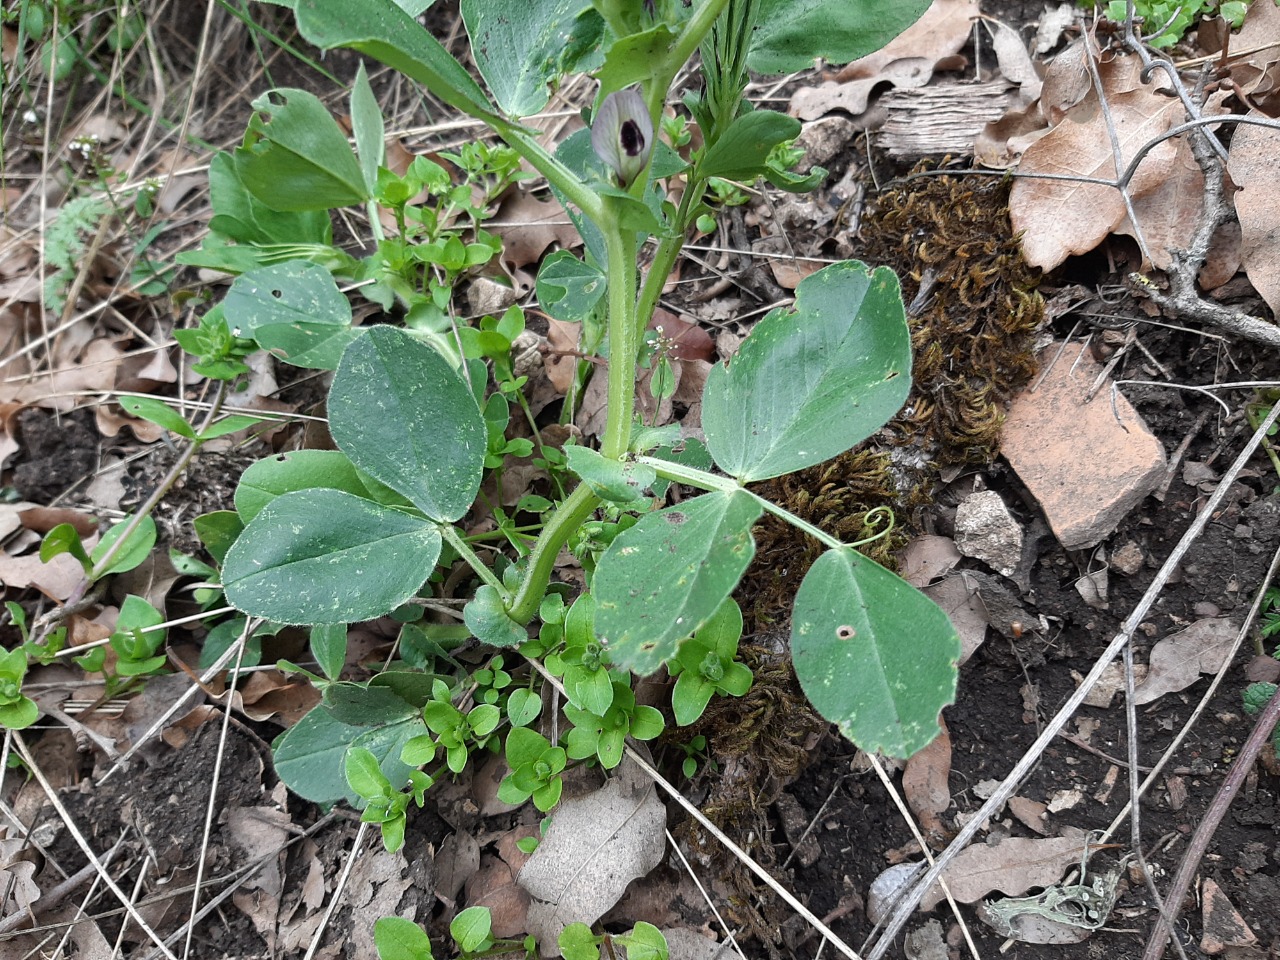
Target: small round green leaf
486	617
612	480
470	928
399	939
663	578
323	556
406	418
874	655
808	384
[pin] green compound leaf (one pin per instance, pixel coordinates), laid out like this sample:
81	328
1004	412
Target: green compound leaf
294	310
808	384
873	654
664	578
295	157
790	34
399	939
324	556
611	480
522	46
406	418
384	31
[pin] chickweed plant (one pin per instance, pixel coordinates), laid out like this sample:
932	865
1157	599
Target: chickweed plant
420	414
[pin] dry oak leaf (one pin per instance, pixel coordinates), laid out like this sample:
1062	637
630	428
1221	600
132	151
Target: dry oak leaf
1012	867
1061	218
1254	165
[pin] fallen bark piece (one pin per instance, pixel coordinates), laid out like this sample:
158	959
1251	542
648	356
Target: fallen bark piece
1086	463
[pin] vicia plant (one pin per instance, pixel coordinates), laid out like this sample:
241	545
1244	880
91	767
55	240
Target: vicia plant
419	414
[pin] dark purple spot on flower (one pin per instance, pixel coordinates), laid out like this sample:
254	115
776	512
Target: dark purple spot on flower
632	138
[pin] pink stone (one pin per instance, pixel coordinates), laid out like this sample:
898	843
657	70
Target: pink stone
1087	463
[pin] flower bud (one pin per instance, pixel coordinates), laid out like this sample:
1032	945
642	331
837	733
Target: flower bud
622	134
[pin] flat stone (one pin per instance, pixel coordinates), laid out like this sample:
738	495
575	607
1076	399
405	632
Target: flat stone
1087	464
987	531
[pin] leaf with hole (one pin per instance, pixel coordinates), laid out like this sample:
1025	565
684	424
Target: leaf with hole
406	418
268	478
324	556
874	655
294	310
295	157
663	578
809	383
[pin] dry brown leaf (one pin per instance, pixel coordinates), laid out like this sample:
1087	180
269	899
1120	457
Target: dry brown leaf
1178	660
1012	867
965	608
57	579
44	519
375	889
456	863
925	786
928	558
562	360
1015	61
597	844
494	886
528	226
907	62
1223	260
1060	218
255	831
1254	165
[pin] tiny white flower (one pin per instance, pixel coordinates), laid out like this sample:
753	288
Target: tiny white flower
622	134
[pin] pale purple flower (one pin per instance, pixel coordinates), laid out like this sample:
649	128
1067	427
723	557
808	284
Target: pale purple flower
622	134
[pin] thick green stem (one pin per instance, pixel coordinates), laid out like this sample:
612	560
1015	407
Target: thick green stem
624	338
566	519
455	540
664	260
557	174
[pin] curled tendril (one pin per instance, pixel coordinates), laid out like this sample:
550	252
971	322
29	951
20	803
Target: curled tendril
874	518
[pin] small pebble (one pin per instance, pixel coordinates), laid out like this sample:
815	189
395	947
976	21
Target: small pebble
1206	609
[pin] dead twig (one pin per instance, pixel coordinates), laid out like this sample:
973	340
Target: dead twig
1266	722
